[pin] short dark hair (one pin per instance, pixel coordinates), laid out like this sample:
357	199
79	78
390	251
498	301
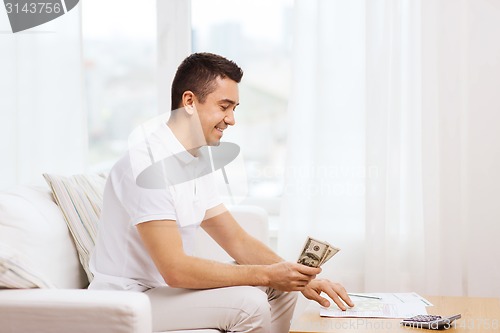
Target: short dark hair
198	72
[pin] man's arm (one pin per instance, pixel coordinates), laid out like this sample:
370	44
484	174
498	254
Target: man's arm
247	250
163	241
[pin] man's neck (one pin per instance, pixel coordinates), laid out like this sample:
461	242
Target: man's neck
187	129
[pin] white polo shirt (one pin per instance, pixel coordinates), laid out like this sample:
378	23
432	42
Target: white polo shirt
120	260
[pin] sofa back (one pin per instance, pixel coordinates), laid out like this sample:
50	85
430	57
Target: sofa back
253	219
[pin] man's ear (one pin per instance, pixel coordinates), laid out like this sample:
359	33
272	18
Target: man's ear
188	102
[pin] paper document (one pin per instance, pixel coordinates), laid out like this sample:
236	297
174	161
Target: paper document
389	305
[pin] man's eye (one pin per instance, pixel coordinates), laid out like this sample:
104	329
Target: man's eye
224	107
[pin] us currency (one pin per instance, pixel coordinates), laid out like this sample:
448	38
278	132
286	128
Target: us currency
332	250
315	253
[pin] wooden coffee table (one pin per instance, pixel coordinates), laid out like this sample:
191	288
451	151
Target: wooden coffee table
478	315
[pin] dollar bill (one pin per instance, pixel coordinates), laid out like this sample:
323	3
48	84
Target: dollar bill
315	253
332	250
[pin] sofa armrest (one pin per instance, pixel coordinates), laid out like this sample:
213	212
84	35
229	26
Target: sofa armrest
74	310
253	219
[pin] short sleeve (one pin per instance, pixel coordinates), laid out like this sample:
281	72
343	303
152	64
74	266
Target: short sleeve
143	204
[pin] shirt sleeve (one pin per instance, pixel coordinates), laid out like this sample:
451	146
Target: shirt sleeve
143	204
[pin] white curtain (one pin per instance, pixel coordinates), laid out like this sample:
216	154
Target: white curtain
174	44
42	121
394	143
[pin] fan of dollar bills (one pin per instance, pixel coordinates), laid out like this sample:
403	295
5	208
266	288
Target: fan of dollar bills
315	253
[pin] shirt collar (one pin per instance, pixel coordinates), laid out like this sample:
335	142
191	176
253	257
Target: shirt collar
173	145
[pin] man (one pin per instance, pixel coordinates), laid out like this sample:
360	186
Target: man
146	233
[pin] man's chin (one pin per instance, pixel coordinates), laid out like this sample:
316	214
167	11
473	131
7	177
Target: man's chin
214	143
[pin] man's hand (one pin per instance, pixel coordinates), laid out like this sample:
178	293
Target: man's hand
289	276
334	290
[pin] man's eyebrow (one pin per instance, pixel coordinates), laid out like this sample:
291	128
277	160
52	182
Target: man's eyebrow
227	100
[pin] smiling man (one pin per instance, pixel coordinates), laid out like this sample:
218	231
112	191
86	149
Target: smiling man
146	236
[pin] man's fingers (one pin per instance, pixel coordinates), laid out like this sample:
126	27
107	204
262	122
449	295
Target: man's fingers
339	303
342	293
347	299
299	285
308	270
323	301
318	298
306	278
338	293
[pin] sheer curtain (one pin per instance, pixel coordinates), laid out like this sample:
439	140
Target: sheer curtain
42	122
393	143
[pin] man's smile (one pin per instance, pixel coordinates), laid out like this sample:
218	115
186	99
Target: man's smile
220	129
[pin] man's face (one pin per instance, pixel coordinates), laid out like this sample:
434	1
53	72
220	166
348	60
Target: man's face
217	112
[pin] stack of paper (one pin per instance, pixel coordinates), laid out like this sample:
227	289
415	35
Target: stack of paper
380	305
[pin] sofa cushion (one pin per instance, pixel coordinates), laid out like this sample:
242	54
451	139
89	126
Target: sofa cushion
16	273
35	242
80	199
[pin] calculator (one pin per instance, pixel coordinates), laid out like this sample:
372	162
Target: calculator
430	322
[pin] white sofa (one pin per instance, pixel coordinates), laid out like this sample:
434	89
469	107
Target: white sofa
37	249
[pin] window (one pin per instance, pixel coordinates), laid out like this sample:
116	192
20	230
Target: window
119	53
257	36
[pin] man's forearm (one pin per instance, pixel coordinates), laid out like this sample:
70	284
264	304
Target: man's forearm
197	273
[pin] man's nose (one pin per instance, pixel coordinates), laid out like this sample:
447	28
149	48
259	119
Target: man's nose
229	119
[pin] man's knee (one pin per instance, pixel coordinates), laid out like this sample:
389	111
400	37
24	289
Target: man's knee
254	301
254	308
